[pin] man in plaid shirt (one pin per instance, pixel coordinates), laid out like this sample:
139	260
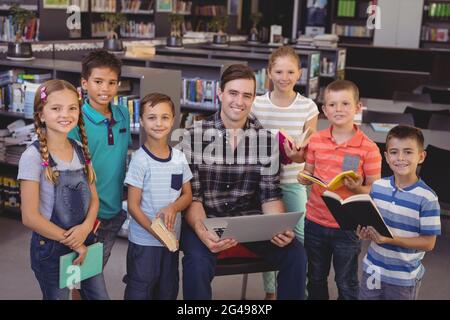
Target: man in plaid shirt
233	179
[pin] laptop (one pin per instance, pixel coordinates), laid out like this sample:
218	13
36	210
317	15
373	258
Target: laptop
258	227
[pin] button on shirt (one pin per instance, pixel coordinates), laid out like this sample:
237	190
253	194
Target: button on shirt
108	141
235	185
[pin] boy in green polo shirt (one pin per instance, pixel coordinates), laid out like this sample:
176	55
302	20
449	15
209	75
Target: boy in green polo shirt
108	131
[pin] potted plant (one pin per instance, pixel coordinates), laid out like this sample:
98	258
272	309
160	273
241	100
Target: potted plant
254	33
219	24
20	19
114	20
175	39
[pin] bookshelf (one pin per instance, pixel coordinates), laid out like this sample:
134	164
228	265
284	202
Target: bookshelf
258	58
435	31
7	30
142	81
348	21
206	74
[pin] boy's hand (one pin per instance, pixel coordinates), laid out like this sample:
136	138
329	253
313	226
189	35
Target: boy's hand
362	233
76	236
82	252
353	184
302	180
376	237
169	215
283	239
295	153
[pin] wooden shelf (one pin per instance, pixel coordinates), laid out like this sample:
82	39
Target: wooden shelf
12	114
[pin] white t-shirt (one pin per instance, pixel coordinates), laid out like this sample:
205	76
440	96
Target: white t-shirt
161	182
291	119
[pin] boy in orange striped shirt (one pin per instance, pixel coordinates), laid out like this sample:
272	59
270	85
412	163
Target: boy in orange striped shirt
341	147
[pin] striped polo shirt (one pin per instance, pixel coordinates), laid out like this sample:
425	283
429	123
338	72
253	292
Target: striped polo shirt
291	119
359	154
410	212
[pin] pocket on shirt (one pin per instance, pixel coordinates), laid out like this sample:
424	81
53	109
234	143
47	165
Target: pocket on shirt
177	181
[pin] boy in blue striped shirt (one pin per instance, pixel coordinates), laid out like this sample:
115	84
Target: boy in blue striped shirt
392	267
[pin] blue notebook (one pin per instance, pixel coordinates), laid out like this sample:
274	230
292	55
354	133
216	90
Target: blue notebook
70	275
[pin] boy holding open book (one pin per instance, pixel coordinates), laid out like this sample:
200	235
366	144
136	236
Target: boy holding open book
392	266
341	147
158	190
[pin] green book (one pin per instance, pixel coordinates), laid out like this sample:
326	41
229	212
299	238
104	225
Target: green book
69	274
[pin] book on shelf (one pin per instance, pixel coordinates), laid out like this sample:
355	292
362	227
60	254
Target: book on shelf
335	183
167	238
198	91
356	210
297	143
92	265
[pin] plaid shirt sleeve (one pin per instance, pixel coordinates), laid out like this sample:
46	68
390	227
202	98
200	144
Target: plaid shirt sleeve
186	146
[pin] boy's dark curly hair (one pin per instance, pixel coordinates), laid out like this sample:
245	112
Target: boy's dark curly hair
100	58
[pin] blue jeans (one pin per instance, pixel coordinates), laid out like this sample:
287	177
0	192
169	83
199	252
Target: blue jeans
199	266
152	273
323	244
107	233
387	291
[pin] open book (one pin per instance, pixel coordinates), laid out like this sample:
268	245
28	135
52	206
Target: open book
356	210
297	143
334	184
168	238
70	275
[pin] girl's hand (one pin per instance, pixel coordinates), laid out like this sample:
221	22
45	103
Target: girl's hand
362	233
295	153
353	184
82	252
302	180
376	237
76	236
169	215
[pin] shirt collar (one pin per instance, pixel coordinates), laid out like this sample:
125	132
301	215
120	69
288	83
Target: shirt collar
355	141
96	117
408	188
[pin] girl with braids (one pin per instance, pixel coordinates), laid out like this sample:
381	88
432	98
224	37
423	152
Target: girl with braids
59	198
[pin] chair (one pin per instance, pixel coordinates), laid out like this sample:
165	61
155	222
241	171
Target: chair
244	262
438	94
435	172
422	117
439	122
411	97
385	169
387	117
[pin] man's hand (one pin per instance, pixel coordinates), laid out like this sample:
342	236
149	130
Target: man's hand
213	242
283	239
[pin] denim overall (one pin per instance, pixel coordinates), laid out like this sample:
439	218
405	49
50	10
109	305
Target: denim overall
71	202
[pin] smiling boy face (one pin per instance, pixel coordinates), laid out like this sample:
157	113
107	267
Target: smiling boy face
340	107
403	156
